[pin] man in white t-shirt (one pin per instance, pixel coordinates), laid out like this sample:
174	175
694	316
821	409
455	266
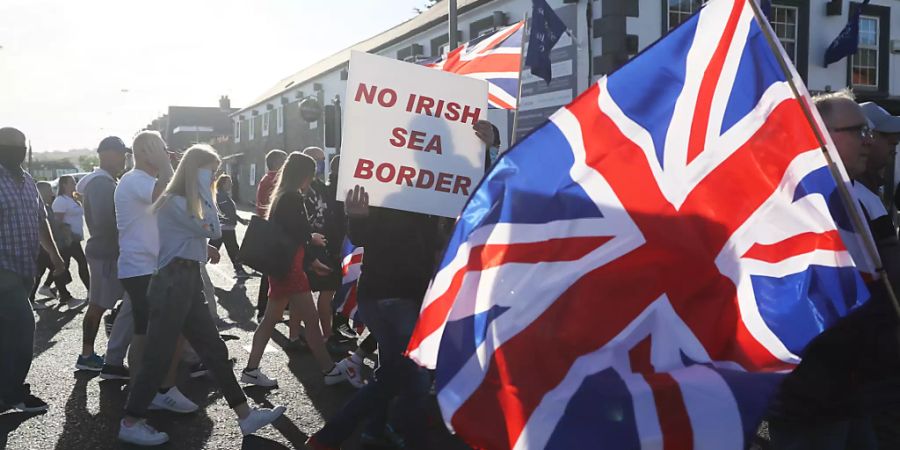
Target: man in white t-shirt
138	189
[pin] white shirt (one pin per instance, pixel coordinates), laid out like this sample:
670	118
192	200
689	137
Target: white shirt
73	213
870	202
138	234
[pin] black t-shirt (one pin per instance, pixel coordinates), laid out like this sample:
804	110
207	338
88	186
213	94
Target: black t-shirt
400	253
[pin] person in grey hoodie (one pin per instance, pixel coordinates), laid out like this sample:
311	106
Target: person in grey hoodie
186	217
102	251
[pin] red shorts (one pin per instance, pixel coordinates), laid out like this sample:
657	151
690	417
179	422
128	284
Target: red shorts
295	282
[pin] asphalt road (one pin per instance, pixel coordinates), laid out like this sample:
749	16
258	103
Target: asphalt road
85	410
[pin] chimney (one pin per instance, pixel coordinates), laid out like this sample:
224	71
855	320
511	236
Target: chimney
224	102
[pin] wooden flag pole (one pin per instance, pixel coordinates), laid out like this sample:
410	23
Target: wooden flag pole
846	197
519	93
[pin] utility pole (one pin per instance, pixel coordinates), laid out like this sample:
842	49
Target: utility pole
452	43
29	156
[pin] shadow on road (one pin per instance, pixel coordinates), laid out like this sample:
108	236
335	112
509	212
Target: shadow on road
259	443
240	310
10	421
51	321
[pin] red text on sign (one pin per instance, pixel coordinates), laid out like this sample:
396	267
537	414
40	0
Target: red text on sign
418	104
416	140
412	177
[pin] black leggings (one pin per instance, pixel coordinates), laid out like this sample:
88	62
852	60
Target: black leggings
73	251
229	238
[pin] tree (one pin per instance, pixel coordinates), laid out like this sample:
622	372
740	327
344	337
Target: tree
88	162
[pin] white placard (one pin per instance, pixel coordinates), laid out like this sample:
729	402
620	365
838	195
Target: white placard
408	137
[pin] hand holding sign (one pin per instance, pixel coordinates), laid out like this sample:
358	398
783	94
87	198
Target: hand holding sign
408	137
357	204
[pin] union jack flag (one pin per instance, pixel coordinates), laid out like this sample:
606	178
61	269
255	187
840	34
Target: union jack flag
345	298
642	270
496	58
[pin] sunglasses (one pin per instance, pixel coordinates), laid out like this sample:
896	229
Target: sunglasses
864	131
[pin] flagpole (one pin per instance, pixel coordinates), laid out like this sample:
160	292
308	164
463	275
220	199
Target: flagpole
845	195
521	69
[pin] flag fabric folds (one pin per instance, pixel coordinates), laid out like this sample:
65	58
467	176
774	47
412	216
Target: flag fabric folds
643	269
546	29
496	58
344	302
846	43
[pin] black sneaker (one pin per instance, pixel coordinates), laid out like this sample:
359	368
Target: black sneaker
113	372
199	370
31	404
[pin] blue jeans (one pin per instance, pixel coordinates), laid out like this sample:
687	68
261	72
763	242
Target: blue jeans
391	321
16	335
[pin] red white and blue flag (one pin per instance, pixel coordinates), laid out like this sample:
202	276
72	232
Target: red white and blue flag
496	58
643	269
345	298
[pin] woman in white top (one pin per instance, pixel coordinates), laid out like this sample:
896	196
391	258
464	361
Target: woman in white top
69	213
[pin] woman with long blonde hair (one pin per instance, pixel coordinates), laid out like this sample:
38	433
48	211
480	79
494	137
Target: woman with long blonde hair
187	218
288	210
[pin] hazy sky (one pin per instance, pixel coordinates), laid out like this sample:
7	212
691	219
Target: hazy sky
72	72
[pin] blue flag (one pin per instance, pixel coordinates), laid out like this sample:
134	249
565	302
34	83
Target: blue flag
546	29
847	42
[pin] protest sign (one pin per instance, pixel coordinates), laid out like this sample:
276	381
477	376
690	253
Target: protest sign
408	137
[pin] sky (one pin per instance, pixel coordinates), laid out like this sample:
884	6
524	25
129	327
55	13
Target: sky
73	72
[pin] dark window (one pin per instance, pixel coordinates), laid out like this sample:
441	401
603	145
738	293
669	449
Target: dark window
868	69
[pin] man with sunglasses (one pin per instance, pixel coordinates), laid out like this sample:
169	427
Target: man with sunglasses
23	229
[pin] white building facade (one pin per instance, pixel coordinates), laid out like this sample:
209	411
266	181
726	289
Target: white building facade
606	34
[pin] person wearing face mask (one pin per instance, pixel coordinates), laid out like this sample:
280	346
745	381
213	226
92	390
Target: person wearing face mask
187	218
23	229
102	251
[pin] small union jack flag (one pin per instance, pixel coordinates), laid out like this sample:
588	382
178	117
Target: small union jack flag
496	58
345	298
642	270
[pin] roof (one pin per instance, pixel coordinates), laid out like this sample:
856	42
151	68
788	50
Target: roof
200	116
433	16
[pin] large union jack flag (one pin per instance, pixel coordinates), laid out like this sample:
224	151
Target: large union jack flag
496	58
641	271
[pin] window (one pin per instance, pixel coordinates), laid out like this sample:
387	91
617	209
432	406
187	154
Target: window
252	172
864	66
784	20
252	131
279	120
265	123
678	11
237	130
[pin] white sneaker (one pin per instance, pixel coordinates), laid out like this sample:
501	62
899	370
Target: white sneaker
141	434
257	378
45	291
173	400
258	418
351	371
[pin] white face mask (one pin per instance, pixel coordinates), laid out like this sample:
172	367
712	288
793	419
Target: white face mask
204	182
204	178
